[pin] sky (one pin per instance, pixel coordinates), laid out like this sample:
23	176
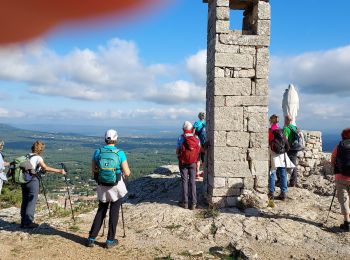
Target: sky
149	71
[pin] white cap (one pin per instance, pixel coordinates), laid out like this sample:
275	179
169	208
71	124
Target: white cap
111	134
187	126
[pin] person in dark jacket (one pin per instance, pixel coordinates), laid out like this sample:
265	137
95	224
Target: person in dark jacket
341	163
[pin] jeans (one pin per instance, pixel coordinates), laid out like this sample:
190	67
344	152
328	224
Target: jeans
283	180
100	216
188	183
30	192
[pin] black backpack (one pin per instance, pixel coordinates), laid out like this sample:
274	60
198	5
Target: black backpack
279	143
297	141
342	161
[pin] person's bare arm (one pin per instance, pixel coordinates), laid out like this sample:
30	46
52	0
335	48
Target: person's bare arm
51	169
6	164
93	168
125	168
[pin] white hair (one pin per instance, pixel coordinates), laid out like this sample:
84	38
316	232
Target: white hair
187	126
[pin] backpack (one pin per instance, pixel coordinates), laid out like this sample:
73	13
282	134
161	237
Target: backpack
297	143
108	163
189	151
202	135
21	169
342	161
279	143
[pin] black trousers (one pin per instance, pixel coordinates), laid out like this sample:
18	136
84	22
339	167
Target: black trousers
100	216
294	172
188	183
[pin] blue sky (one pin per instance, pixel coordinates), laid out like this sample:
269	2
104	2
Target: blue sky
150	71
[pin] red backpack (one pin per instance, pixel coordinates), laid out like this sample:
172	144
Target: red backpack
190	149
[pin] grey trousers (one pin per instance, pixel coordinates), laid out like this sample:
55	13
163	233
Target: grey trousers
188	183
30	192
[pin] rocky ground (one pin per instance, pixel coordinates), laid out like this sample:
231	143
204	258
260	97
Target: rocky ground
156	228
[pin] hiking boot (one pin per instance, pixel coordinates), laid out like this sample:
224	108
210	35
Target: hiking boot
183	205
270	195
345	226
90	242
282	196
111	243
193	206
30	226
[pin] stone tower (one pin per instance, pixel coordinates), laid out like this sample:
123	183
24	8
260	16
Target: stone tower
237	100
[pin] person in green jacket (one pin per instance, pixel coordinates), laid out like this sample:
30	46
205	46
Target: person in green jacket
292	154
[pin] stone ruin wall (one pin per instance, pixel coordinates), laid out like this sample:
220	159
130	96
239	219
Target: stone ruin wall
237	100
312	156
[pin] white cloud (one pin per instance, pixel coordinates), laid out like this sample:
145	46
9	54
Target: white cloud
6	113
196	66
323	82
323	72
112	72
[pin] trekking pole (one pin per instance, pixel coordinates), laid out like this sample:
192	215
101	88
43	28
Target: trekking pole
121	207
44	191
330	207
104	226
66	181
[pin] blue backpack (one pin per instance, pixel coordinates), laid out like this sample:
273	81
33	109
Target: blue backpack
202	134
108	163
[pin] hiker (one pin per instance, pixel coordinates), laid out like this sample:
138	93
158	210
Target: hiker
200	131
341	162
292	153
187	151
3	164
108	166
279	159
30	190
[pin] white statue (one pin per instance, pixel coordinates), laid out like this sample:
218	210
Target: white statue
290	103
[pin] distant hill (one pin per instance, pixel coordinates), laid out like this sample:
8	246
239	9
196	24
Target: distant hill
143	154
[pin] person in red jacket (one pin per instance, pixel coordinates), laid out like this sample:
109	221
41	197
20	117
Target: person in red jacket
341	162
187	151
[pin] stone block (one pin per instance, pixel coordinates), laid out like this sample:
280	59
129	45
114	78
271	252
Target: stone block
257	122
246	101
258	140
261	87
231	201
238	139
219	47
219	182
263	27
233	86
219	101
262	63
247	50
218	202
223	13
235	183
246	73
222	26
249	182
226	192
259	168
219	72
263	10
229	154
223	3
258	154
219	138
231	169
228	118
261	181
256	109
245	40
236	60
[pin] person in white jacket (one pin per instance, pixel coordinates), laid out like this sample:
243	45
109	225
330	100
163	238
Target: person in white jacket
279	162
3	164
